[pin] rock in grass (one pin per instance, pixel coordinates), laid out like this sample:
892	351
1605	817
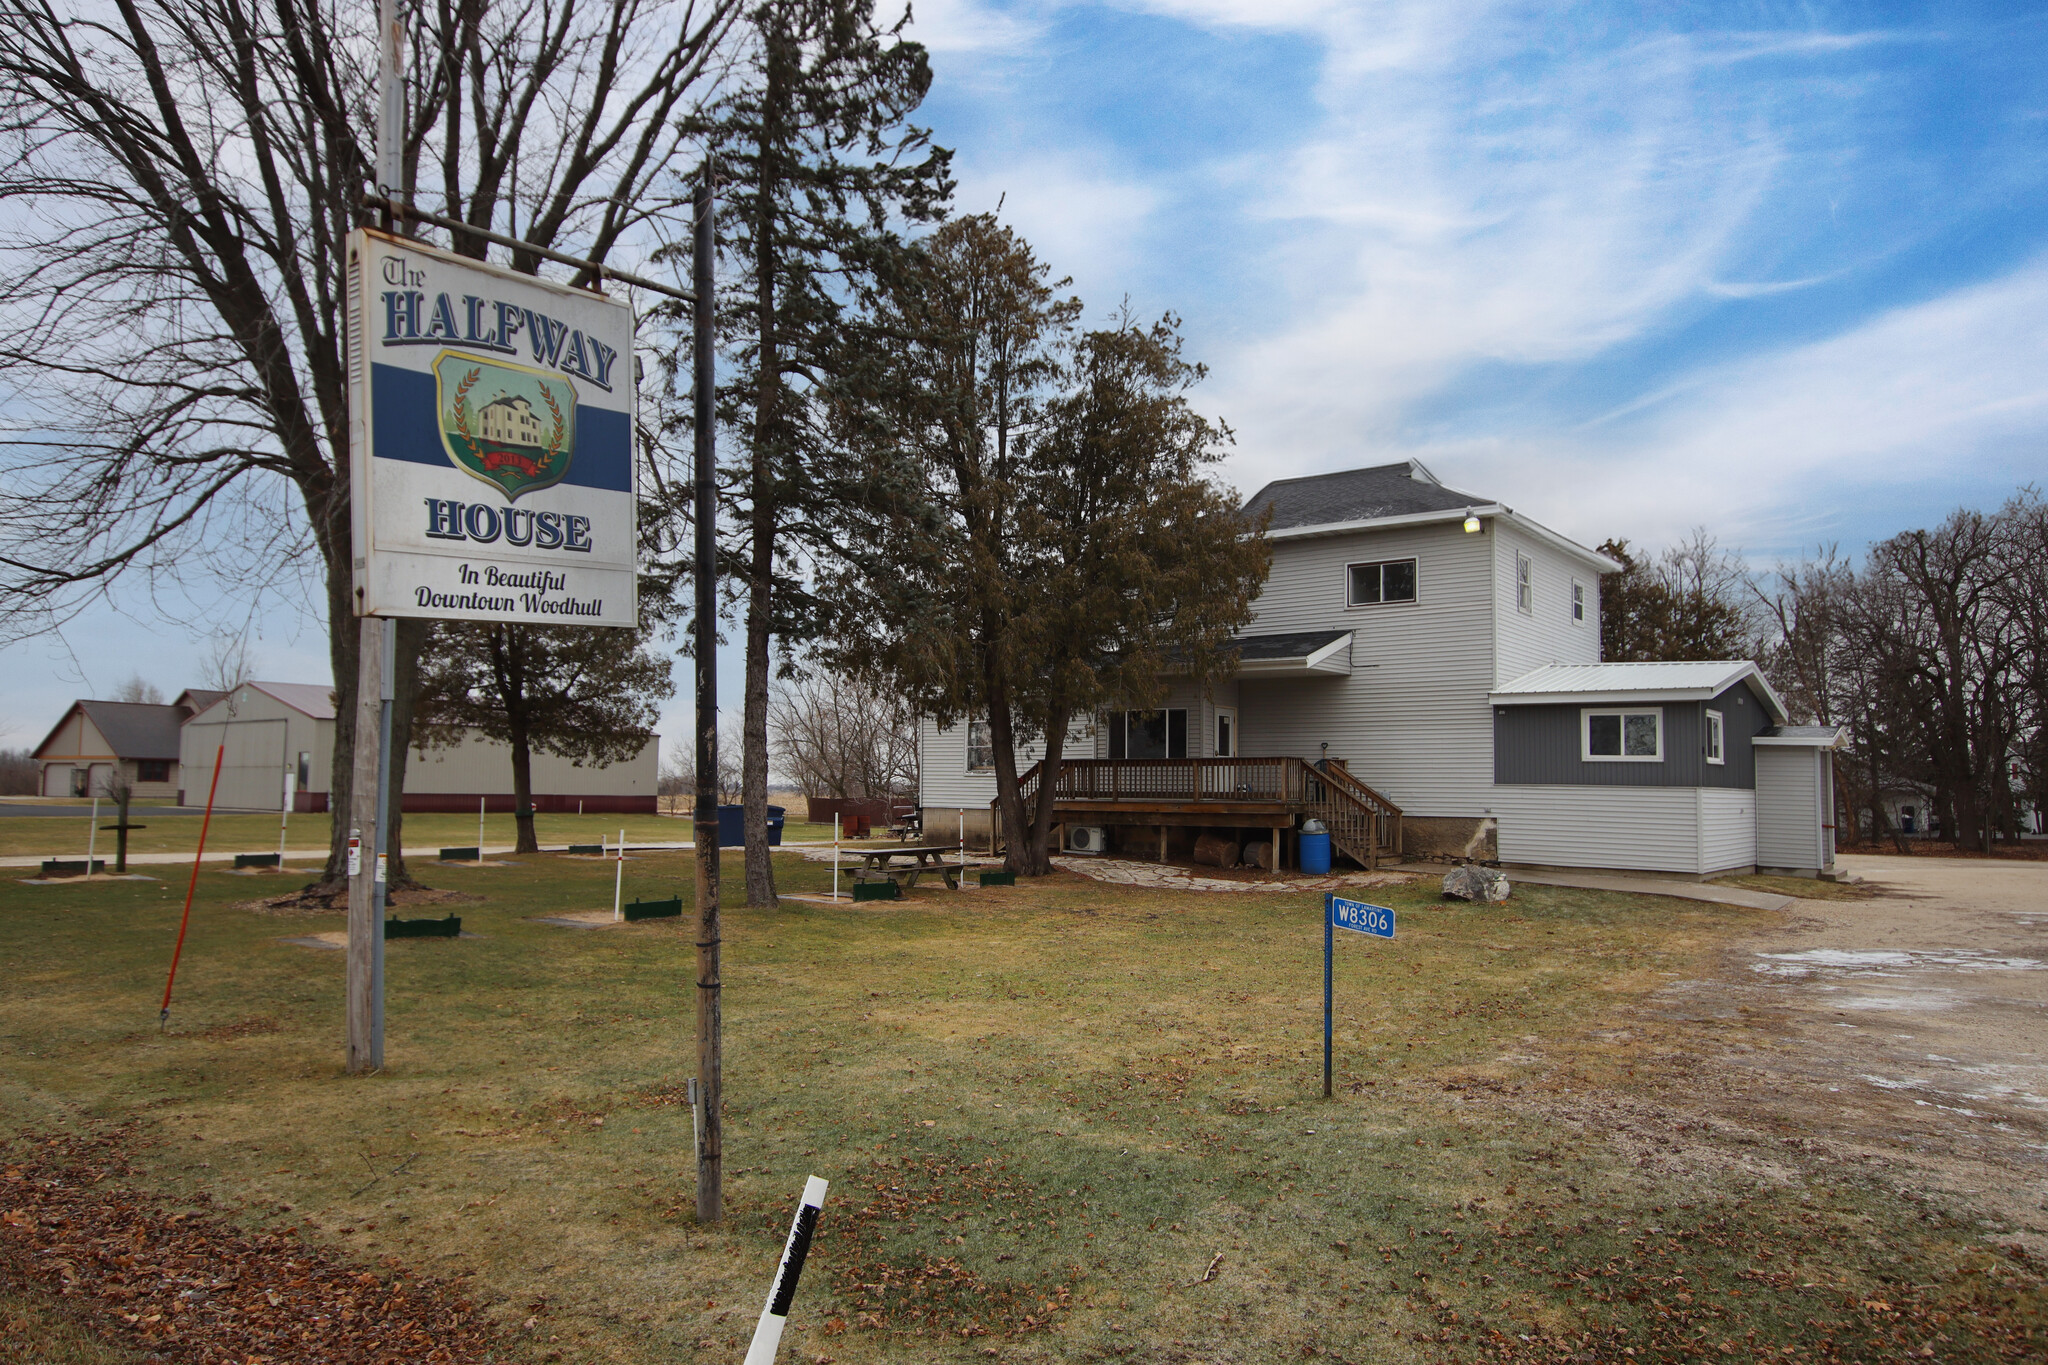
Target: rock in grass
1470	883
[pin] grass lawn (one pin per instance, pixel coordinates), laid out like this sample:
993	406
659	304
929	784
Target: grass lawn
1061	1121
61	837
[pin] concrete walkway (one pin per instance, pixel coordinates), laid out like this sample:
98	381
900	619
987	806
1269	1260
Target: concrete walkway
1654	886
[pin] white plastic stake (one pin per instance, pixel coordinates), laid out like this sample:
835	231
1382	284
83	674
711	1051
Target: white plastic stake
963	850
835	855
92	833
619	880
480	829
774	1317
284	816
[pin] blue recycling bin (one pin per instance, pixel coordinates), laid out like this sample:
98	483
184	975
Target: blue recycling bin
732	826
1315	848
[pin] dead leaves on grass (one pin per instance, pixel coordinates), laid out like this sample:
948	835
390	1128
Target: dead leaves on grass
893	1286
199	1288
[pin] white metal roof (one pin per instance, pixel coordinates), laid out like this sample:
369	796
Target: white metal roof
1700	681
315	699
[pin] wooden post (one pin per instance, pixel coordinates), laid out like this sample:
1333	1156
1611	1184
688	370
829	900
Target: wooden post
1276	850
363	929
1162	843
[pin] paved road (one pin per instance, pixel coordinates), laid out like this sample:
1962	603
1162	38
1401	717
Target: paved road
8	811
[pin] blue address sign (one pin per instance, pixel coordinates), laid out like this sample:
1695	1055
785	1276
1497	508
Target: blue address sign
1376	920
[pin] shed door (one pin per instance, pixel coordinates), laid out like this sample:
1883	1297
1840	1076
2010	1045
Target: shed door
1789	806
57	779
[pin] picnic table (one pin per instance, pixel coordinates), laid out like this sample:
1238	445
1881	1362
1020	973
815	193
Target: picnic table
905	864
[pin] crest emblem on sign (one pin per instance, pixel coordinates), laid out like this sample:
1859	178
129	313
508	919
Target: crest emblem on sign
512	427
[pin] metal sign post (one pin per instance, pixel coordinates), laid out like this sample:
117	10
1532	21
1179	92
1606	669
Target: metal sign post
1339	913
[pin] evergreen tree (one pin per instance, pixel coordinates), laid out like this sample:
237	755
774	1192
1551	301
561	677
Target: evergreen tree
580	692
816	160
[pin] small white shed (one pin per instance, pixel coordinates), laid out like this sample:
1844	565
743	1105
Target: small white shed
1795	798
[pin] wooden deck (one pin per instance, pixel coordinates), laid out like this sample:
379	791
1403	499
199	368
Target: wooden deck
1248	793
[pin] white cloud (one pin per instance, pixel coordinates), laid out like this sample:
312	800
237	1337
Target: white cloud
1074	207
962	26
1448	215
1775	450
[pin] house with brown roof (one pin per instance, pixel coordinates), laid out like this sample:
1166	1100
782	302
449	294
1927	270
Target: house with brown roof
95	739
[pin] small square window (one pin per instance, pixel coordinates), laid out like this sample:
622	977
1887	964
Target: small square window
1525	585
153	770
1578	602
1391	580
1621	736
1716	736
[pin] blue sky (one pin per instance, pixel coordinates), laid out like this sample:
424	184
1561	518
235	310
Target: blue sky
1778	270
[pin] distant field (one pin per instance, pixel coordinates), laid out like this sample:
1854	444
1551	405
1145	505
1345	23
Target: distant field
1063	1121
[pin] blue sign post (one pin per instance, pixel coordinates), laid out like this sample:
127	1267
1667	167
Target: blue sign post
1339	913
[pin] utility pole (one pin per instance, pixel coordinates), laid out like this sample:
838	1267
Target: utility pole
368	813
710	1062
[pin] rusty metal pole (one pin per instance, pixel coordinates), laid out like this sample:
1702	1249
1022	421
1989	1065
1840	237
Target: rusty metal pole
710	1060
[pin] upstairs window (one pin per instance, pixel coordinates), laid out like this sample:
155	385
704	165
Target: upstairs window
981	748
1525	585
1578	603
1619	736
1390	580
1716	734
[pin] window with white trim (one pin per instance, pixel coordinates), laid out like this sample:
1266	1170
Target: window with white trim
1578	603
1149	734
1525	585
1620	735
1717	731
981	747
1372	585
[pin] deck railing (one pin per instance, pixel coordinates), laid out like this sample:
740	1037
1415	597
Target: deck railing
1363	823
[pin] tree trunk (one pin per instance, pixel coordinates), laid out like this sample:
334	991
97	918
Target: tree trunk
522	787
342	628
1002	738
754	746
767	445
411	635
1038	852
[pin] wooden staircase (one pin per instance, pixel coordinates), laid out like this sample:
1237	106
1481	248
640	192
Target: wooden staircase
1364	825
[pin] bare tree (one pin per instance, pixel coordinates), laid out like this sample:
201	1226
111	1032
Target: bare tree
844	736
139	689
19	772
226	665
179	177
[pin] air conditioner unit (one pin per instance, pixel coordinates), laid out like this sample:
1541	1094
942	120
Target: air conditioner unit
1086	839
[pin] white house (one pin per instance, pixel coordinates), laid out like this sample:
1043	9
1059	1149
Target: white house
1411	641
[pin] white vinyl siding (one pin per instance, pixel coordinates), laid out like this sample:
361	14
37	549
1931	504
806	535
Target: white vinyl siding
1688	830
1546	634
1727	825
1789	808
944	780
1412	718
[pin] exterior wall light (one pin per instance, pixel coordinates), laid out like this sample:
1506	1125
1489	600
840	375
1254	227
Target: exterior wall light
1471	522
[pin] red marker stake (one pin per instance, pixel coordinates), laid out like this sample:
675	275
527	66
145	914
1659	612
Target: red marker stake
163	1017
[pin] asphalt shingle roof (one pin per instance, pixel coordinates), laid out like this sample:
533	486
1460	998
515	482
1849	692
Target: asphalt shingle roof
1250	648
1387	490
136	729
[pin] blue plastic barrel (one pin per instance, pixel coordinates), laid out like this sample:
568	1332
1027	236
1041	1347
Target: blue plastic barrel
1315	851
